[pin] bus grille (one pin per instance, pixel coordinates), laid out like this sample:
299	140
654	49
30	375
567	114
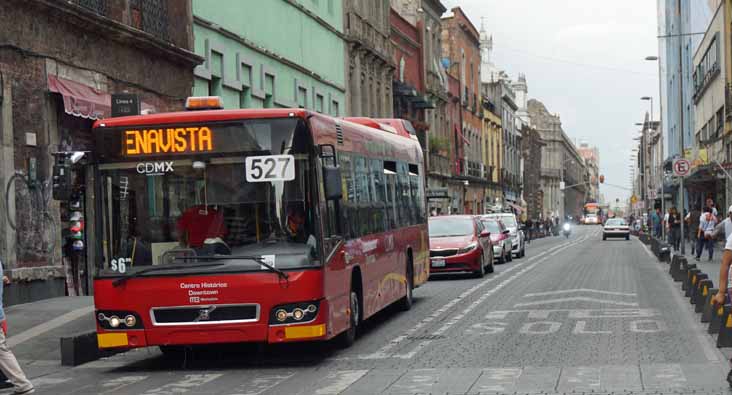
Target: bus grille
195	315
449	252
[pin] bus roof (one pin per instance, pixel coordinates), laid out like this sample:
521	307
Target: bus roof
199	116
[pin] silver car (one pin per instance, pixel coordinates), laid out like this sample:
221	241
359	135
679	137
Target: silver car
518	239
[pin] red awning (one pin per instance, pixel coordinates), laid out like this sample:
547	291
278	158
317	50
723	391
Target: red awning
81	100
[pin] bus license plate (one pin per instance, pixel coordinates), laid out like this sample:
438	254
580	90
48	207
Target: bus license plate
438	263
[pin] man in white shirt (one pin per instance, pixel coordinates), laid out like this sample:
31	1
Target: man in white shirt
710	204
719	298
707	224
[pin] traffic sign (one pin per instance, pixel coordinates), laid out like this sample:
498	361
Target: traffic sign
681	167
634	199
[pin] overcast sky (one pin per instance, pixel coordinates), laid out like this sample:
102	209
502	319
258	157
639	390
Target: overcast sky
585	61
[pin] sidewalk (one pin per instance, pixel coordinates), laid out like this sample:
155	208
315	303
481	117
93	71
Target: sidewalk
35	330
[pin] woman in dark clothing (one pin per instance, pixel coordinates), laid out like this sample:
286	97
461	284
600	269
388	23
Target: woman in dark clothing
674	223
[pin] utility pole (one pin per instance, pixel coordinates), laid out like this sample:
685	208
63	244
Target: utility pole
681	129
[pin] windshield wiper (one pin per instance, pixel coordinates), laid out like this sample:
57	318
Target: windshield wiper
122	280
254	258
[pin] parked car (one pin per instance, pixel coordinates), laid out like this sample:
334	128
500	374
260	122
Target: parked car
616	227
518	239
460	243
500	236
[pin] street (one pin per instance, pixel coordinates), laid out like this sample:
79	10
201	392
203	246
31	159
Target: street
575	315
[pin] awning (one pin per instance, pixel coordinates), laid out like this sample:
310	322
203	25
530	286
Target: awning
81	100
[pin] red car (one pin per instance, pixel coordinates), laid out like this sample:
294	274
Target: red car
460	243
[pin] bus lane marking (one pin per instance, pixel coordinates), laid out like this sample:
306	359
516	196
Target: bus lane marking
576	299
579	290
261	384
385	351
454	320
190	382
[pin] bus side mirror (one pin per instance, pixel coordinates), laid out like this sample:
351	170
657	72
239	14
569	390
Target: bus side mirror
332	182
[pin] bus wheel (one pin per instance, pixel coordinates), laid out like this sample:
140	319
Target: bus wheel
406	302
347	338
173	352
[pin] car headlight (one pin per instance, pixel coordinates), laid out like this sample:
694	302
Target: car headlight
118	320
467	249
294	313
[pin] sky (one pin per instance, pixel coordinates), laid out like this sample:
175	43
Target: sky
585	60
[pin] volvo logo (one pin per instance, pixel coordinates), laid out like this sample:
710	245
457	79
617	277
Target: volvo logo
205	314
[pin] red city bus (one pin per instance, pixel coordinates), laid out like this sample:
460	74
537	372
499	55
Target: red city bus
272	225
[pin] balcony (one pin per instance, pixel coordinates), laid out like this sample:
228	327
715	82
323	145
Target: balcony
549	172
439	165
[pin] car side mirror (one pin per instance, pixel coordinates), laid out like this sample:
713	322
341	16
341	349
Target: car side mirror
332	182
485	233
505	232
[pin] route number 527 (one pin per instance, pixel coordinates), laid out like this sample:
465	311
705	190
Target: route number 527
270	168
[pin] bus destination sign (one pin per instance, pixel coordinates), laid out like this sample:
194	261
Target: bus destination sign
190	139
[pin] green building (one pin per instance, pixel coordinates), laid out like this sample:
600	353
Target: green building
271	53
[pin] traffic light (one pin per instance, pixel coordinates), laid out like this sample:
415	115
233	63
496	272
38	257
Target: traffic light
61	179
602	179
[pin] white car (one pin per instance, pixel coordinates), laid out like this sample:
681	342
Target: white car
591	219
616	227
518	239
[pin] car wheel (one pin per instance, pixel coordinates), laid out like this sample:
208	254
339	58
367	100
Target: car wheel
347	338
502	258
627	237
604	237
490	265
480	273
509	258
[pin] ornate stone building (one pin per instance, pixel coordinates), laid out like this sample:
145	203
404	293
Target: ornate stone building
369	55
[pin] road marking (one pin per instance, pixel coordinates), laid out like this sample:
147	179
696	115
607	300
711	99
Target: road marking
337	382
579	290
479	301
577	313
261	384
641	326
38	330
120	382
544	327
190	382
579	329
385	351
576	299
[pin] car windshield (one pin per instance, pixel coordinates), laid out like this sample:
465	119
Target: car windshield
160	212
446	227
492	226
508	220
615	222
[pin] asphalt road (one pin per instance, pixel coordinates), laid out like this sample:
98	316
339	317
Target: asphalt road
576	315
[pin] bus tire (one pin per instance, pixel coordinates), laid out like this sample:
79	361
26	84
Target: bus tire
407	301
173	352
347	338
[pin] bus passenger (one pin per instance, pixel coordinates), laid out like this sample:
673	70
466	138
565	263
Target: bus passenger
202	228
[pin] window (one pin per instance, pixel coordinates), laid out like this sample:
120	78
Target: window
720	120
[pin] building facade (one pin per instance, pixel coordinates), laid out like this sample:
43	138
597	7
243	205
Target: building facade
561	165
531	152
250	66
370	68
52	90
591	156
461	47
492	151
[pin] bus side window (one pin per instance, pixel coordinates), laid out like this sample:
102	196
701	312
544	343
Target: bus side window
390	182
362	193
349	212
378	197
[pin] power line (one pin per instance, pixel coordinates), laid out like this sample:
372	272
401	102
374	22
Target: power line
574	63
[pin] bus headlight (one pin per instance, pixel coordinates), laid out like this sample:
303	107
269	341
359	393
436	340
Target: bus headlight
281	315
118	319
294	313
130	320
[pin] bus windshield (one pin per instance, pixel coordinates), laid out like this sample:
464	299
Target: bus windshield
254	203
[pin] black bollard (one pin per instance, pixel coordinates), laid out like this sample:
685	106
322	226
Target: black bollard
708	310
701	293
725	329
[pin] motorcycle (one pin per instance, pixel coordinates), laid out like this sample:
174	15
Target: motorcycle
566	229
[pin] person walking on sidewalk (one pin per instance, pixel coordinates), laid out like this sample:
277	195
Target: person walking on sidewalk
707	222
8	364
692	220
725	292
674	224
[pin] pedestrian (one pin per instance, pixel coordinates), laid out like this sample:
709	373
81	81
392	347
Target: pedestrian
674	224
707	222
692	221
8	364
711	205
724	294
656	223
